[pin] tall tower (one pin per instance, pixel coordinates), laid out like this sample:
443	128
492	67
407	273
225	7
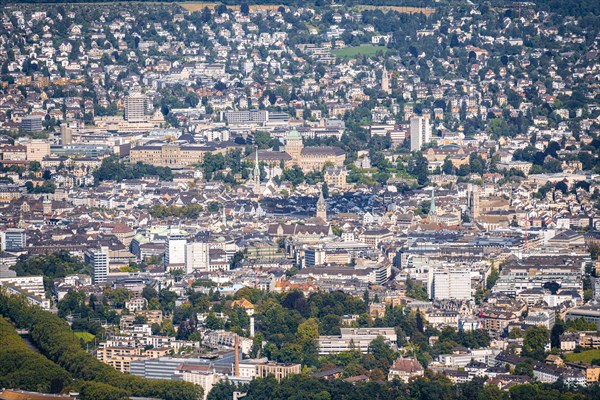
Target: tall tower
256	174
321	207
135	107
66	136
47	206
474	207
294	145
432	209
420	132
385	81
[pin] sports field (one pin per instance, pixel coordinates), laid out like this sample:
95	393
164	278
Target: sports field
368	50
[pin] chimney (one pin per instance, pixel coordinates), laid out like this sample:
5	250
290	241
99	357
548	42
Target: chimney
237	356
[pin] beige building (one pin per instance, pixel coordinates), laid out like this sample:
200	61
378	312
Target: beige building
119	357
312	158
200	375
404	369
170	155
261	368
335	177
37	149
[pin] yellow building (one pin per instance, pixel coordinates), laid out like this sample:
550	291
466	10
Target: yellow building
170	155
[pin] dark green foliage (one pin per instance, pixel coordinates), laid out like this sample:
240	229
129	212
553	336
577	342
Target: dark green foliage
112	169
430	387
536	337
54	338
51	266
23	368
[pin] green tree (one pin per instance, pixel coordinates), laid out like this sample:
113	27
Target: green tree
536	338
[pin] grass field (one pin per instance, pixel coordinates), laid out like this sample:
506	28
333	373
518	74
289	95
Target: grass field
86	336
585	356
199	6
405	10
363	50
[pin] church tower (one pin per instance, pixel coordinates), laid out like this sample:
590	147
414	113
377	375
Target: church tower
321	207
385	81
256	175
473	200
294	145
47	206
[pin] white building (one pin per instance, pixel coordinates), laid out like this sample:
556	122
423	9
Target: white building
31	284
196	257
420	132
449	284
175	250
135	107
98	259
357	338
200	375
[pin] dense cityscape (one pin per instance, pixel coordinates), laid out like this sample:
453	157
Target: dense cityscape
351	200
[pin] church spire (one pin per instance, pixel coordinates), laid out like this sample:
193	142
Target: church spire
256	174
432	209
321	206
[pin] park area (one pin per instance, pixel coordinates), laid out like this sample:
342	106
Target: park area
585	356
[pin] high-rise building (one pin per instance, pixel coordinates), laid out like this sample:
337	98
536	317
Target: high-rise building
98	259
196	257
420	132
66	135
135	107
175	251
31	124
450	284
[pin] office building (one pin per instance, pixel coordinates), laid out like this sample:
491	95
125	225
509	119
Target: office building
175	250
98	259
135	107
246	117
357	338
420	132
13	240
196	257
450	284
37	149
31	124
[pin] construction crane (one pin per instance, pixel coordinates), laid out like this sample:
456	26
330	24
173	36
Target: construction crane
520	4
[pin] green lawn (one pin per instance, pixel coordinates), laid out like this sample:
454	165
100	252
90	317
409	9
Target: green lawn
86	336
368	50
585	356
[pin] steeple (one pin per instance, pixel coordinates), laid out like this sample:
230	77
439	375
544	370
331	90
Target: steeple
432	209
256	174
321	206
385	81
